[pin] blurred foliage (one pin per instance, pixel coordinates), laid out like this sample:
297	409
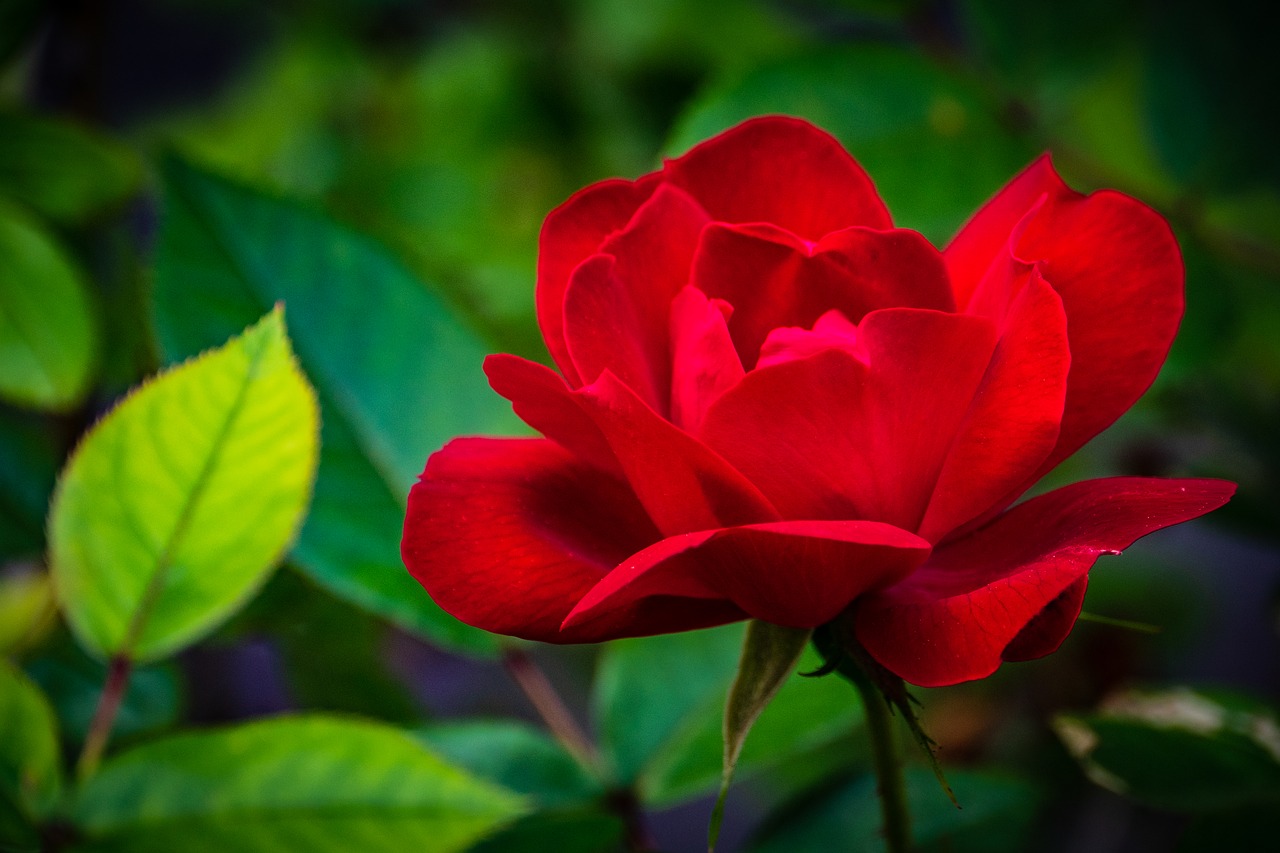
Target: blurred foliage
170	170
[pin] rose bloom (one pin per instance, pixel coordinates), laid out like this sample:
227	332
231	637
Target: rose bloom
773	404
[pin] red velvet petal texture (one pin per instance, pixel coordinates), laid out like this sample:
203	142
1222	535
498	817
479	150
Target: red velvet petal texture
780	170
795	573
986	236
773	278
834	436
683	485
508	535
962	613
1115	264
704	363
1012	424
571	233
605	330
540	398
616	318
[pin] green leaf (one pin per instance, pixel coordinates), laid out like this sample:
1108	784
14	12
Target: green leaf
30	768
63	171
806	715
647	689
769	656
581	830
316	783
396	374
1179	749
659	703
48	334
29	463
996	816
516	756
928	138
176	506
26	606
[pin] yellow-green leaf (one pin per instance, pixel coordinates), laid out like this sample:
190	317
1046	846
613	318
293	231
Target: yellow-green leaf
177	505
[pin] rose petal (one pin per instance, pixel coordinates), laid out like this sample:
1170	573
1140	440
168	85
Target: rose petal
773	279
1115	264
831	331
540	398
683	484
1012	423
780	170
794	573
572	232
508	534
704	362
605	331
956	618
834	436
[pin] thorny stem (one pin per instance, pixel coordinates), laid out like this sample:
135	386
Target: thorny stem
113	690
886	757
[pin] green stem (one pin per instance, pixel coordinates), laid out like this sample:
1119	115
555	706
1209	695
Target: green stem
104	718
886	757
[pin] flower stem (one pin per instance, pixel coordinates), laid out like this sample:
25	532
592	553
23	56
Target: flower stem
886	757
547	702
113	690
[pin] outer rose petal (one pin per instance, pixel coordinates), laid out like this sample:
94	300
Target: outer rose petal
986	236
1012	424
1115	264
956	618
508	534
774	279
682	483
780	170
571	232
794	573
834	436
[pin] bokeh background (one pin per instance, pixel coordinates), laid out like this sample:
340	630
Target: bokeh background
445	131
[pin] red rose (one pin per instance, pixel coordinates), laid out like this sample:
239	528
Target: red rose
774	404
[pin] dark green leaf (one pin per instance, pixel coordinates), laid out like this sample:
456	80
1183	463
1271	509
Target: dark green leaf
516	756
65	172
995	816
29	463
1180	749
306	783
583	830
48	331
646	689
397	375
805	715
30	765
